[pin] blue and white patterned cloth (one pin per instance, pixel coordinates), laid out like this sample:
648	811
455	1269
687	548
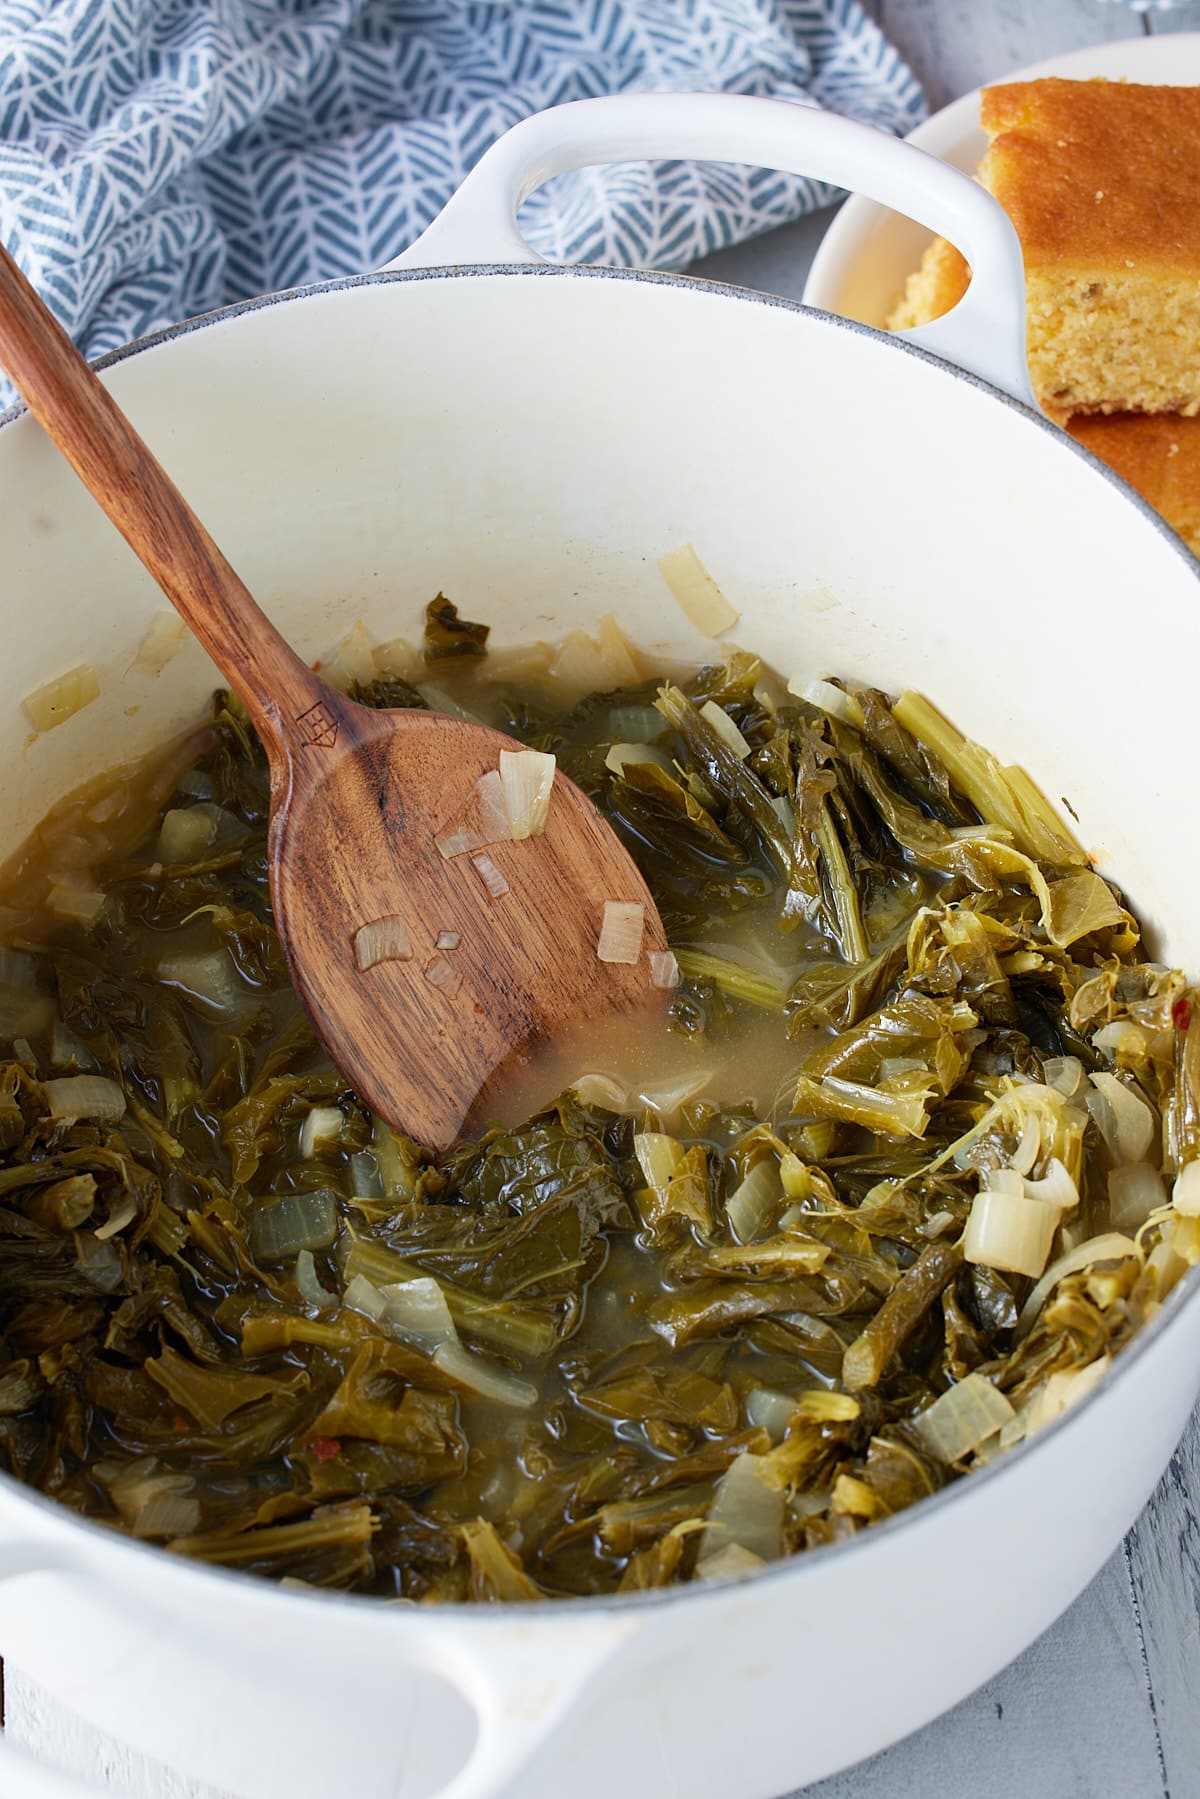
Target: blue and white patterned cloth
162	157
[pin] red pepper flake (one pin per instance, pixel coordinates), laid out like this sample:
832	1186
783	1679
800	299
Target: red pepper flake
181	1422
1181	1014
325	1448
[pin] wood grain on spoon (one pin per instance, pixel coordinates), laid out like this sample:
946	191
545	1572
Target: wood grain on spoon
357	799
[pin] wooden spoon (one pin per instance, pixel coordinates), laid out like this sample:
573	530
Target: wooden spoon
357	799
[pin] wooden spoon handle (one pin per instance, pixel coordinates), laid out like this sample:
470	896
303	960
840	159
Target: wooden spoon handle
77	412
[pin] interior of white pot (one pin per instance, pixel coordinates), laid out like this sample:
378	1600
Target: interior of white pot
531	442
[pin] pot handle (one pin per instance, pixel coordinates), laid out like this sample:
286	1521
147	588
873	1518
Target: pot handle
984	333
520	1687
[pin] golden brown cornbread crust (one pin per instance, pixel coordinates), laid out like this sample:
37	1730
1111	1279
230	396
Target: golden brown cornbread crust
1158	455
1096	174
1102	181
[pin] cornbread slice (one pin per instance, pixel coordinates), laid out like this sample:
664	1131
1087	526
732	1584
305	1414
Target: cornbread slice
1159	455
1102	181
939	283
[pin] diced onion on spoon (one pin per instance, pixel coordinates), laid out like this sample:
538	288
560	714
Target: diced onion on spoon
383	940
490	875
621	931
527	781
495	821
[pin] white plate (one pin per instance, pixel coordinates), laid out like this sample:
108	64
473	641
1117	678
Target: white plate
868	252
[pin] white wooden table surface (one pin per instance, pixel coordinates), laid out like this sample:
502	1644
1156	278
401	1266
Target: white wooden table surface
1106	1705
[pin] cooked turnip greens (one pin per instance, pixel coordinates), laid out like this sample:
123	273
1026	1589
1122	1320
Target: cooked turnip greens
917	1155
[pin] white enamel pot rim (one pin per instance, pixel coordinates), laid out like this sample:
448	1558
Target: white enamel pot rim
477	236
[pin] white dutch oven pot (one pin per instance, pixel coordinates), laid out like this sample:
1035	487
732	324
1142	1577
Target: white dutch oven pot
531	439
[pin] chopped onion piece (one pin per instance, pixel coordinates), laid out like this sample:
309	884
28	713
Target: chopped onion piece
730	1563
152	1501
124	1214
161	644
383	940
459	842
696	592
490	875
353	661
622	755
442	974
187	831
418	1309
1007	1231
724	726
1133	1121
321	1129
827	697
1026	1152
621	931
91	1096
363	1295
207	978
527	780
310	1289
1065	1074
674	1093
746	1511
484	1377
581	664
751	1205
82	903
448	940
278	1232
770	1411
1134	1191
618	652
1064	1389
1185	1194
60	699
494	823
601	1090
1056	1188
664	969
795	1178
1110	1246
659	1157
963	1418
1120	1036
